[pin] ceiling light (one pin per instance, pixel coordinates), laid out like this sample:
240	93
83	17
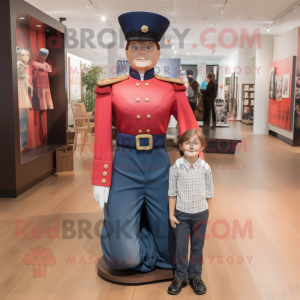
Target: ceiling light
222	12
21	18
268	29
94	14
172	57
103	18
175	51
172	47
188	53
38	25
87	6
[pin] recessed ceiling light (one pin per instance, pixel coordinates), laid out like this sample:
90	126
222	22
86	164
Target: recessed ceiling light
103	18
175	51
38	25
222	12
21	18
188	53
172	47
268	29
172	57
88	6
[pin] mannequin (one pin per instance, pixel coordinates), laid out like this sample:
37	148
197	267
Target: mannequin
24	89
133	186
42	99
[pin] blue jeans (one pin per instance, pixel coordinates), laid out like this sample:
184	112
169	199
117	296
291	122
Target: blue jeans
193	225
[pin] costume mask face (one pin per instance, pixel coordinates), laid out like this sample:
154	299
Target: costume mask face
24	56
142	55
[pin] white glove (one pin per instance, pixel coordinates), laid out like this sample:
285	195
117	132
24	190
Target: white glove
101	194
179	162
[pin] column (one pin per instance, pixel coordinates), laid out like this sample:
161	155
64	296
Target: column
264	56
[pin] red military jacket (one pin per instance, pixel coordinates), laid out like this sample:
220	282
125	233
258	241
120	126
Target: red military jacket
139	107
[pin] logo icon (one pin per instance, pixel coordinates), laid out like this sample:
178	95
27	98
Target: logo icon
39	258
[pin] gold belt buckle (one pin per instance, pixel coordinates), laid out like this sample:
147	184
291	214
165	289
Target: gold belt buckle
137	142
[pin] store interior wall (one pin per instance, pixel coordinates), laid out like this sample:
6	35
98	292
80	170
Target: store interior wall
263	59
83	61
246	70
237	62
201	73
284	46
226	67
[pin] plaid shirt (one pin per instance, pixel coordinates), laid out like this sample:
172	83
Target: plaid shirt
192	184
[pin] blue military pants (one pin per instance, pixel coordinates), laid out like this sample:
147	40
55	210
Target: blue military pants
136	232
193	226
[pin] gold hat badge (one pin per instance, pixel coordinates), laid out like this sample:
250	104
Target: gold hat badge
144	28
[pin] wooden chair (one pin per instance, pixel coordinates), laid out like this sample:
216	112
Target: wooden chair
82	125
85	113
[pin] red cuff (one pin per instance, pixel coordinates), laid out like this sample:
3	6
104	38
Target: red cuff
102	172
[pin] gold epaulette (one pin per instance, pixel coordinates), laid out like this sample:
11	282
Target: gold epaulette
112	80
173	80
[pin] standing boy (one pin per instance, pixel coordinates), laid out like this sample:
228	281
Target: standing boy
190	186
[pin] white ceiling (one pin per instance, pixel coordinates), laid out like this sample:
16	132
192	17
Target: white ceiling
195	14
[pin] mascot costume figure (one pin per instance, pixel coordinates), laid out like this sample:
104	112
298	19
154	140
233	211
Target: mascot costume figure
132	186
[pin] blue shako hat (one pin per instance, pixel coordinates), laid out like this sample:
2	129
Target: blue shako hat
143	26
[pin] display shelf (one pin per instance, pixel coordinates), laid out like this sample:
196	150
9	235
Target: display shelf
247	103
21	171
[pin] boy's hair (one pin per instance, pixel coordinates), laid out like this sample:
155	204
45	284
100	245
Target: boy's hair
188	134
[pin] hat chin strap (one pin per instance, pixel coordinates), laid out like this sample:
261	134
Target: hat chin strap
141	36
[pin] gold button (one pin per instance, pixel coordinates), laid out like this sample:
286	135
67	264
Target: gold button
146	84
138	116
104	173
105	166
137	84
140	131
103	180
138	99
147	99
148	116
148	130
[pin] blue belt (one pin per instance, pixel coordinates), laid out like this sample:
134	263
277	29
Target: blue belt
141	141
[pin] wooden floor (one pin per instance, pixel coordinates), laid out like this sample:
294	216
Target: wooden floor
259	185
